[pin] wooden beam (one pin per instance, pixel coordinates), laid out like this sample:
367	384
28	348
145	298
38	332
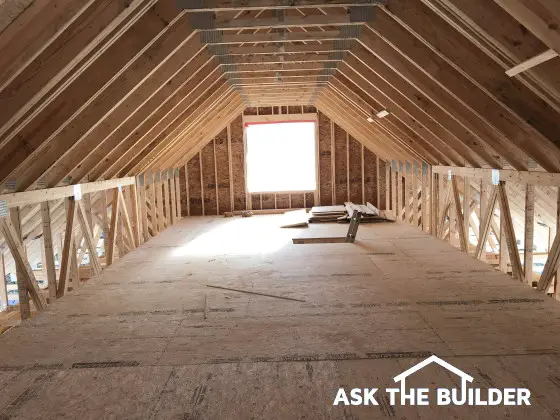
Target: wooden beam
529	232
115	210
520	177
341	19
135	213
460	222
125	216
228	5
445	209
89	240
179	210
532	62
324	47
38	196
3	285
549	34
24	269
509	233
260	38
24	306
67	247
173	196
486	222
48	249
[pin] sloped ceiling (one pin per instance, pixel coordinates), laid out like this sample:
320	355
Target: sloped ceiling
100	89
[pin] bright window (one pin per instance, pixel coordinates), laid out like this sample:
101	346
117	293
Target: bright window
281	156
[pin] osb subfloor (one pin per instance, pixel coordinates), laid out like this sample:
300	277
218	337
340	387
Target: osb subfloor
396	290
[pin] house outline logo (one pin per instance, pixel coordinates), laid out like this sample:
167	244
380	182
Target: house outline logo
462	396
465	377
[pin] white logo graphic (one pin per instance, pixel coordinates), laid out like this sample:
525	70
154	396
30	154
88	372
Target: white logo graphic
444	396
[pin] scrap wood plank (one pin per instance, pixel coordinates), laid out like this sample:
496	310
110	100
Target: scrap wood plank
18	254
255	293
114	227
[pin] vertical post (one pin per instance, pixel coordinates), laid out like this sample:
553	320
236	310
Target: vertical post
483	205
466	210
557	281
178	210
399	192
529	232
48	263
424	197
104	222
230	168
364	175
434	195
503	242
173	196
159	202
67	248
414	188
189	195
394	188
5	304
167	203
114	227
333	167
153	210
24	306
136	220
387	186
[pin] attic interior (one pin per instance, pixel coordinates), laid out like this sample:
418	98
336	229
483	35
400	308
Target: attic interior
130	129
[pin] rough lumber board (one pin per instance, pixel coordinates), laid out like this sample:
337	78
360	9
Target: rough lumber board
89	239
532	62
67	247
460	222
445	206
509	232
529	232
126	218
24	269
112	239
48	261
38	196
486	223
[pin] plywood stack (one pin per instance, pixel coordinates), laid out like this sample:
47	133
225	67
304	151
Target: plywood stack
327	214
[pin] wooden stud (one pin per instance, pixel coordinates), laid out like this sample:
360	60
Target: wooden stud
89	239
460	223
333	166
125	217
24	306
166	209
202	182
188	191
3	285
483	205
466	210
216	177
399	193
153	204
159	203
27	278
529	232
48	262
179	209
387	185
445	209
66	260
173	196
485	223
115	210
135	213
507	221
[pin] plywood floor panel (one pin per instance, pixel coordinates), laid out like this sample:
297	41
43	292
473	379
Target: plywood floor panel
395	290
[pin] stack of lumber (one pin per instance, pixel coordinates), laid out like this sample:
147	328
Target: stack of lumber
327	214
370	214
